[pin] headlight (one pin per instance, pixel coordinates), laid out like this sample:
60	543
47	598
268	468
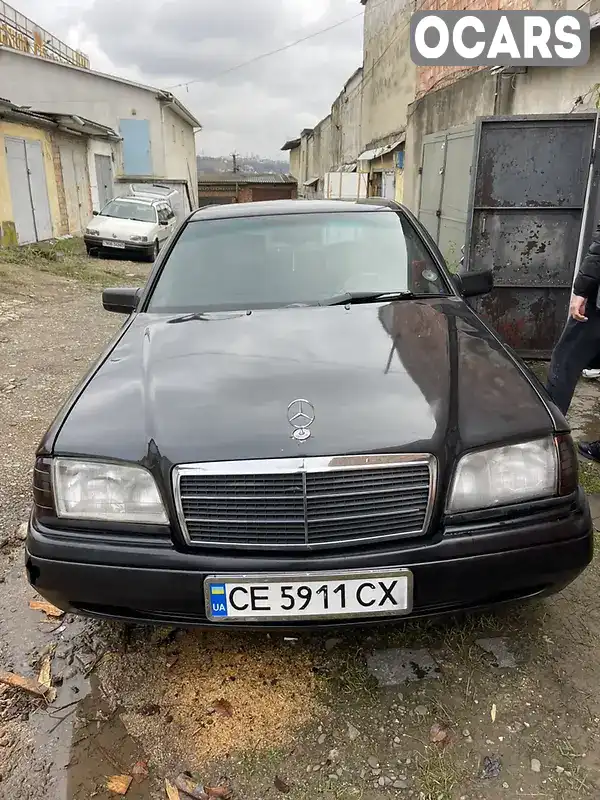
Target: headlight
91	232
504	475
139	238
109	492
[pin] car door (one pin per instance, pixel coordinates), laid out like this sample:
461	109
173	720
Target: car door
171	218
163	223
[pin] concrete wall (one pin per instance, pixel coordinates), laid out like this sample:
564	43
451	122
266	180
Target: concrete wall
430	78
322	147
550	90
295	163
346	122
180	150
389	78
21	131
49	86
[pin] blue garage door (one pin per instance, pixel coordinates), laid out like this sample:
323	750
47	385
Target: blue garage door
137	155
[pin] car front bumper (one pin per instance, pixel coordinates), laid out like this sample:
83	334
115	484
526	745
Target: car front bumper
95	243
142	582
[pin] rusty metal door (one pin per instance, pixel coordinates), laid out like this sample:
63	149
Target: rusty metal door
528	193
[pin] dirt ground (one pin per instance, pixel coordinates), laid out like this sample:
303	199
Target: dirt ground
497	707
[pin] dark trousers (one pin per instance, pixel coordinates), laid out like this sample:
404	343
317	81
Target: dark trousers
577	349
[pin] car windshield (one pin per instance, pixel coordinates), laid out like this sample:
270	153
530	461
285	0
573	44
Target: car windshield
295	259
126	209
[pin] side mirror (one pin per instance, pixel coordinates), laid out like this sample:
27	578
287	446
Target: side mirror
95	213
474	284
164	222
121	301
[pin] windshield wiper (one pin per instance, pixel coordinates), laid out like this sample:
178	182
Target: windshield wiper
367	297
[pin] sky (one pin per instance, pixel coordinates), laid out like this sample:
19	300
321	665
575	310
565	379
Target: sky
168	42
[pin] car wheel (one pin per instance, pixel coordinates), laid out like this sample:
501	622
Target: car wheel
155	250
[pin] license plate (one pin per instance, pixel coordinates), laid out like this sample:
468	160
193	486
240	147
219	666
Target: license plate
118	245
317	595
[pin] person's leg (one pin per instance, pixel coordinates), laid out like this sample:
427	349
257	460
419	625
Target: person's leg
575	350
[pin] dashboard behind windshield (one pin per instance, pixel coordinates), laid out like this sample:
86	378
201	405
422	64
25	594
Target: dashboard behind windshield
141	212
282	260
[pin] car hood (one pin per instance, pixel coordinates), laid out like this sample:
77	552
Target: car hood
421	376
120	228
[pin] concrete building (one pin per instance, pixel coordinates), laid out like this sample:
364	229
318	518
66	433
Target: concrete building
293	147
244	187
388	105
346	119
45	188
389	76
155	132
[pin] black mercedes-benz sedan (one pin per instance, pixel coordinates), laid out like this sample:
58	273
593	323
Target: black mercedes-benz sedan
302	422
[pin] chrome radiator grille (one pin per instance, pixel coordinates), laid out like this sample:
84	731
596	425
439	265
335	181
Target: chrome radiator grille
312	502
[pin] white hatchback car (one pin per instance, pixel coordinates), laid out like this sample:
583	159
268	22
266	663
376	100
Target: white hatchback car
134	224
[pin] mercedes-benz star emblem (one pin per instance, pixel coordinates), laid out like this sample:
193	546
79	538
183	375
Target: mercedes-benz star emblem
301	415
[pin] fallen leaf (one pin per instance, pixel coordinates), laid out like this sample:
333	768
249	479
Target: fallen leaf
140	771
437	733
281	785
223	707
493	712
45	677
27	684
186	784
218	792
47	608
172	792
119	784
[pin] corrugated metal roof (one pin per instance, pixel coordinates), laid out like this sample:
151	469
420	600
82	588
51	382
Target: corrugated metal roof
71	123
245	177
377	152
292	144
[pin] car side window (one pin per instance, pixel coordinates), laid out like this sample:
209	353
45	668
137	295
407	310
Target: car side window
162	214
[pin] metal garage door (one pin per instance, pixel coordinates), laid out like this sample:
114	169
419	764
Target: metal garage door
104	177
28	190
445	181
528	196
76	186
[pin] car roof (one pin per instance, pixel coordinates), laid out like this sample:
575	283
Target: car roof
269	208
143	200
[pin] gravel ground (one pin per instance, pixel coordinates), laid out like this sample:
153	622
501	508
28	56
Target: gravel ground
496	707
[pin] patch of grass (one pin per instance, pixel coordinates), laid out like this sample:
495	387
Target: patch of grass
589	477
438	774
346	673
455	634
68	259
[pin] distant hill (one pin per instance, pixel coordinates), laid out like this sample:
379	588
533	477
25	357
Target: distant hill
250	164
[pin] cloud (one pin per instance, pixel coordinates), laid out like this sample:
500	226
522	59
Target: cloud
168	42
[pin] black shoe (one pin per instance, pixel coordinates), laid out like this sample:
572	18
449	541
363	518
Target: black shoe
590	450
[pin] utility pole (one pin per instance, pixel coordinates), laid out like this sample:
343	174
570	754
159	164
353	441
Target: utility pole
234	156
